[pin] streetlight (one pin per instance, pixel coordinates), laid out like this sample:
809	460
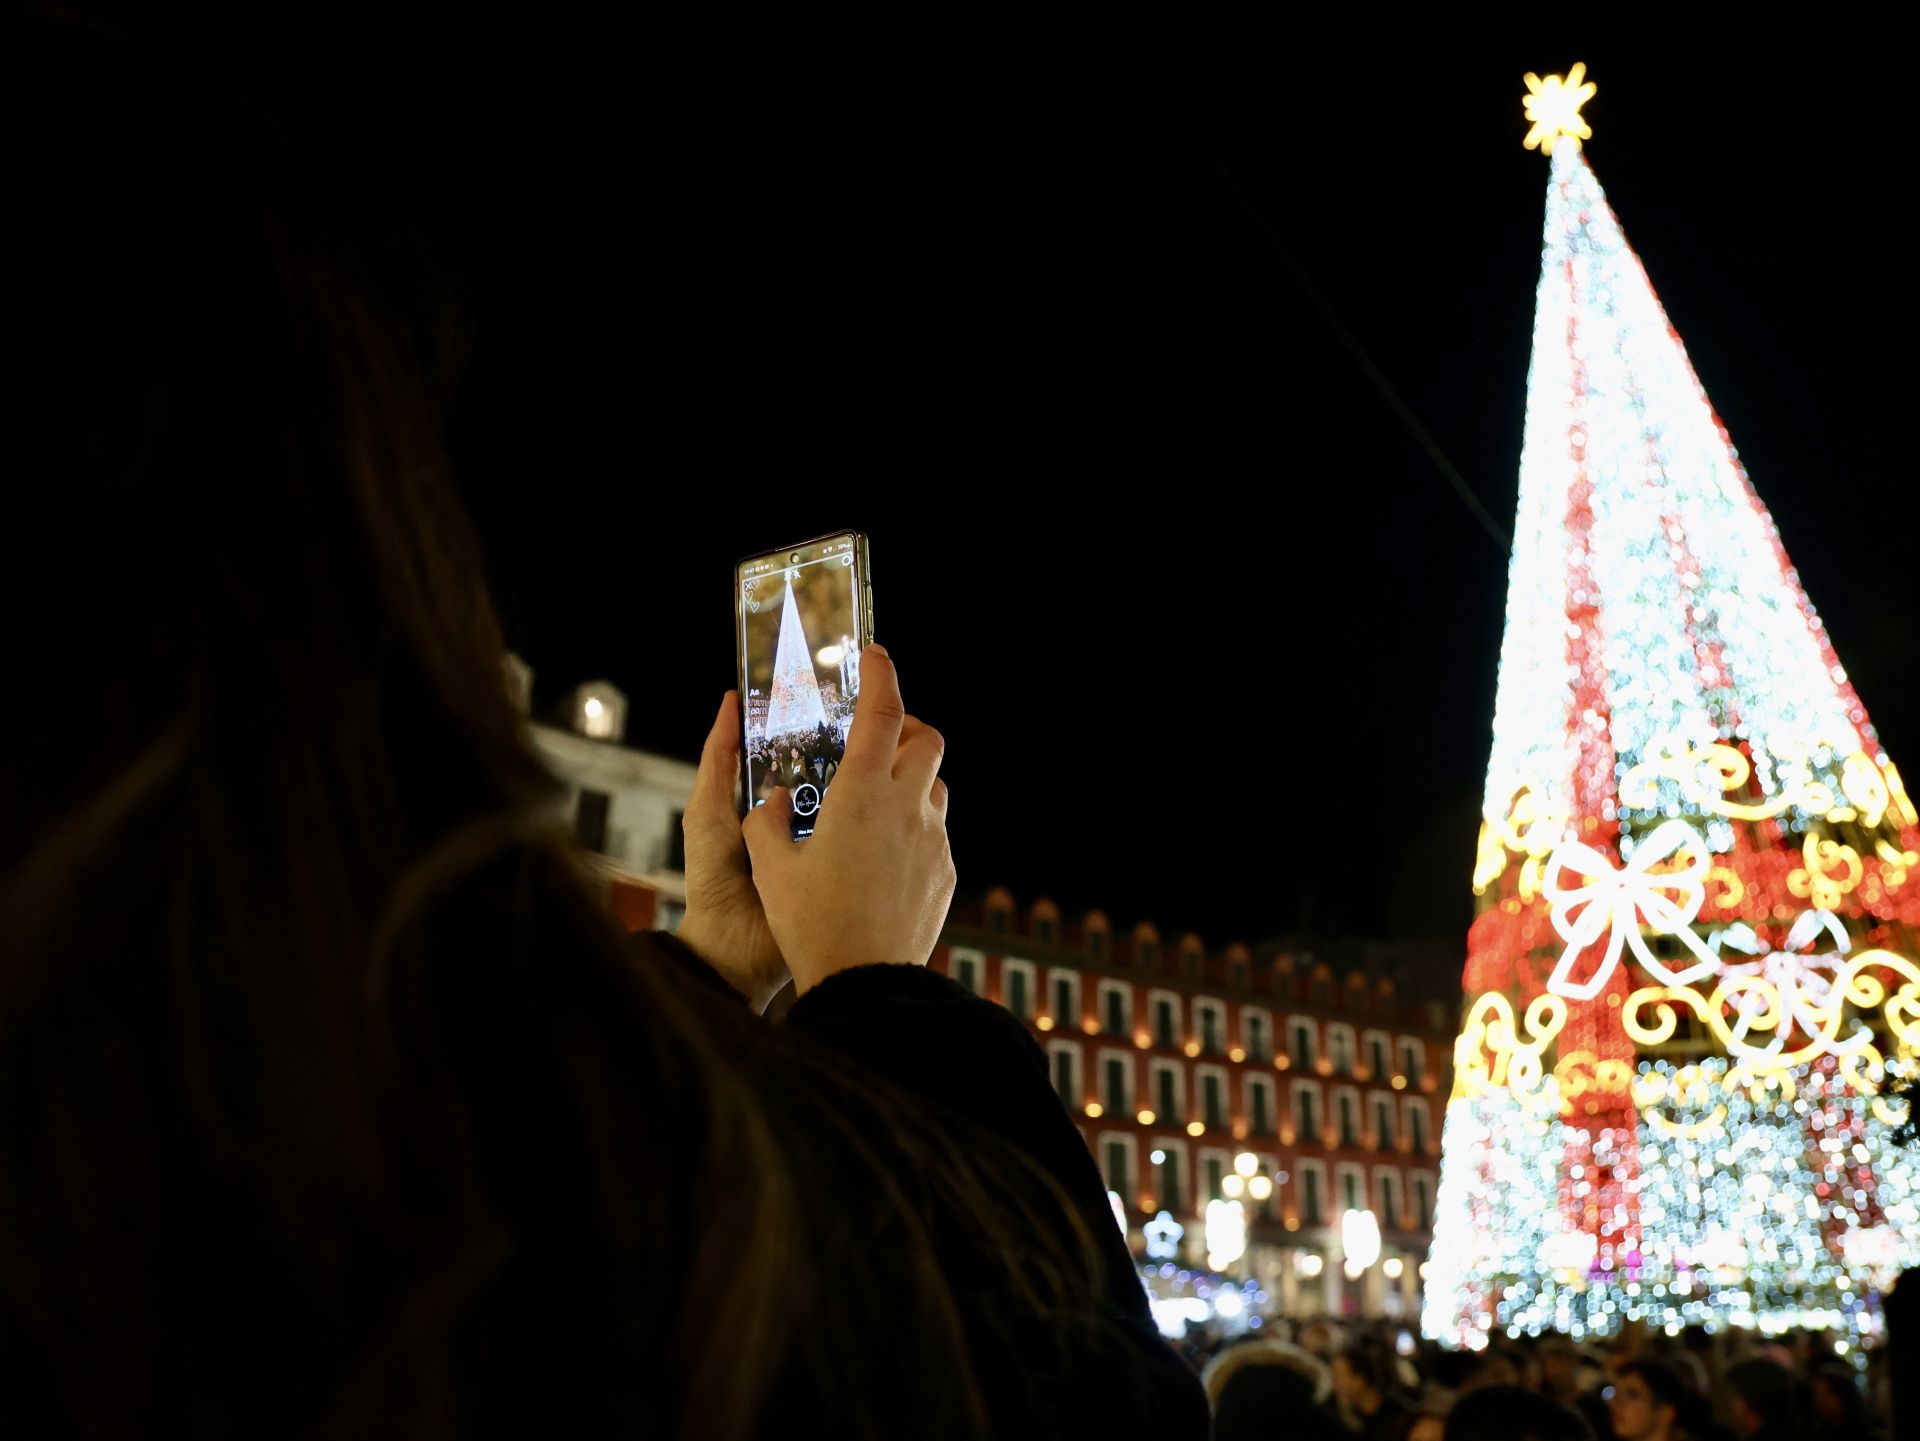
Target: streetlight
1359	1240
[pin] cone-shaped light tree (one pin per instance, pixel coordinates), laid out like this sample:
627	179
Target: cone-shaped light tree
1693	964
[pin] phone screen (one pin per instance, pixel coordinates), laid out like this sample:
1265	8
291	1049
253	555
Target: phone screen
801	614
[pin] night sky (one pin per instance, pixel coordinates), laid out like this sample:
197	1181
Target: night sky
1211	638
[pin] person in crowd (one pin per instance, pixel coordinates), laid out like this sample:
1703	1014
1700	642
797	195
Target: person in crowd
1261	1388
1318	1338
336	1102
1363	1385
1766	1401
1840	1406
1511	1413
1560	1378
1430	1420
1645	1402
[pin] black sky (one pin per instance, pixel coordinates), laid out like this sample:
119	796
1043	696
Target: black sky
1212	641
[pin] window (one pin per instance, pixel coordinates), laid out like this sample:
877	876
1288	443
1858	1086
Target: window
1384	1138
1258	1029
1149	952
677	842
1353	1189
1016	988
1377	1051
1422	1203
590	819
1116	1156
1115	1091
1212	1017
1237	975
1410	1059
1065	988
1346	1117
1166	1013
1313	1186
1213	1097
966	967
1097	944
1300	1034
1389	1185
997	920
1306	1110
1213	1171
1043	930
1166	1092
1172	1198
1417	1125
1116	1008
1340	1049
1066	1072
1260	1105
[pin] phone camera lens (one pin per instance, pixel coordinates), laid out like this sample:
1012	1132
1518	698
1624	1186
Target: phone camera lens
795	557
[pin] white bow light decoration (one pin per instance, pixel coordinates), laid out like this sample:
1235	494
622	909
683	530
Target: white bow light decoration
1616	904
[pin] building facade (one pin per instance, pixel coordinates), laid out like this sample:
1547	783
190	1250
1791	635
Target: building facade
1200	1075
623	805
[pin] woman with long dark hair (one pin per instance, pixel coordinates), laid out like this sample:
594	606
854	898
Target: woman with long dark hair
332	1101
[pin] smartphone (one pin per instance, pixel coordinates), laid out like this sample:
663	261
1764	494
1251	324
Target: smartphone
805	613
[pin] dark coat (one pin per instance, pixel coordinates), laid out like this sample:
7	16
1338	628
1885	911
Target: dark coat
968	1067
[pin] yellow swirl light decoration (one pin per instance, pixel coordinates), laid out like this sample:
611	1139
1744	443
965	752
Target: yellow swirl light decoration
1489	859
1897	794
1580	1074
1689	1087
1531	828
1709	774
1733	890
1758	1005
1490	1053
1831	871
1865	789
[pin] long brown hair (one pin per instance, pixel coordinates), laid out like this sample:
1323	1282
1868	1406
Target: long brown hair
285	922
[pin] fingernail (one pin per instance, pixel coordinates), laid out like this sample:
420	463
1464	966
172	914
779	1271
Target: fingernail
878	649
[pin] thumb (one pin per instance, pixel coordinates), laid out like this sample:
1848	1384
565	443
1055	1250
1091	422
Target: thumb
769	829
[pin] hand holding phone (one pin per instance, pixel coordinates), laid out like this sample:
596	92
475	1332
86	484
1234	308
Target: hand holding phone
803	618
725	923
873	884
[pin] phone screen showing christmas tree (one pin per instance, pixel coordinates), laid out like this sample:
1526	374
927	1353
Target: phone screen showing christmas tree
804	614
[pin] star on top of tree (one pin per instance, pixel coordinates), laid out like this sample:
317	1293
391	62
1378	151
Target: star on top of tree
1553	105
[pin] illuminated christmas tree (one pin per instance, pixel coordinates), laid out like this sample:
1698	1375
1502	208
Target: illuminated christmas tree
1693	962
795	702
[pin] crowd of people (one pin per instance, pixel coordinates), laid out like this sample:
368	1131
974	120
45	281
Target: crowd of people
1315	1380
797	759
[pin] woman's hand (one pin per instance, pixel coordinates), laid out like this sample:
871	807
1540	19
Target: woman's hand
725	925
873	882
